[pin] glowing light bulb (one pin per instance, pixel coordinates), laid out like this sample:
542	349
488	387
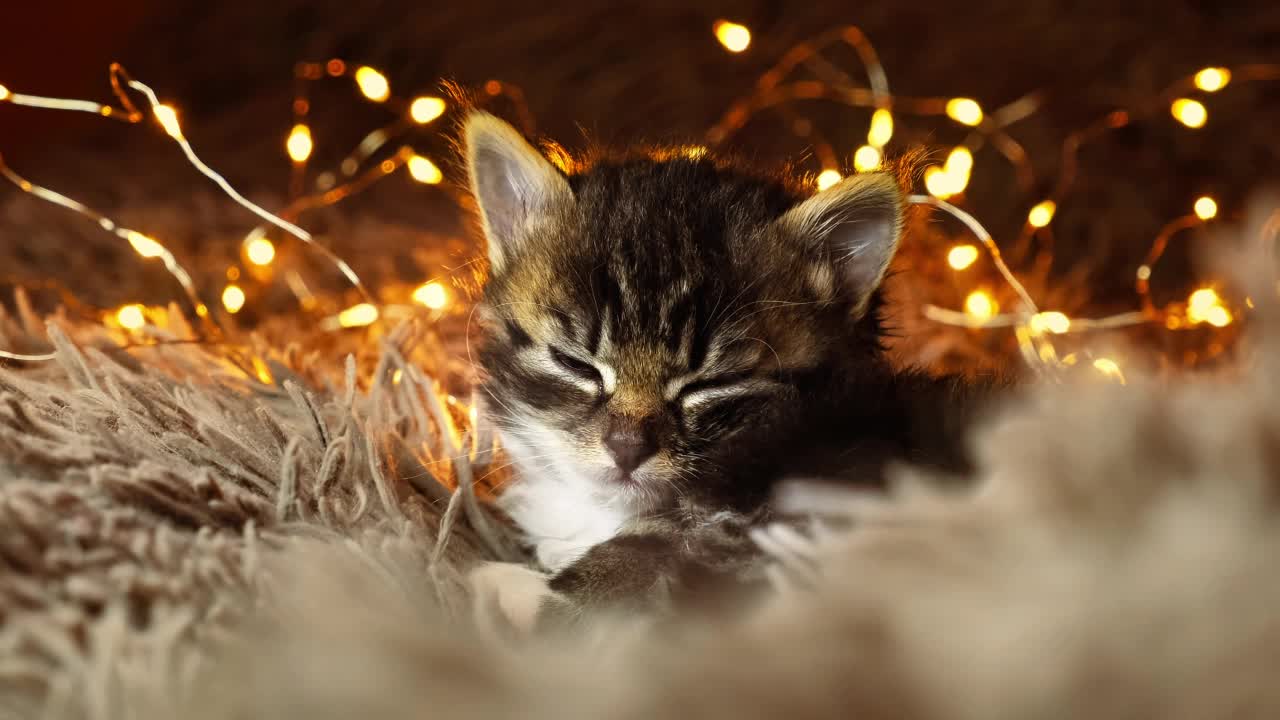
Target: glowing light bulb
980	305
962	256
960	160
734	37
1206	208
260	251
1218	316
1109	368
1203	299
424	171
1042	214
1212	79
959	164
299	144
4	93
131	317
1052	321
881	128
145	246
1204	305
168	119
233	298
425	109
937	182
827	178
358	316
432	294
866	159
965	111
373	84
1189	112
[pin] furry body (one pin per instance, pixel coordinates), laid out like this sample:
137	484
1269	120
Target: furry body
670	336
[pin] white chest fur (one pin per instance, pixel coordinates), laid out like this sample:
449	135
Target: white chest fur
562	518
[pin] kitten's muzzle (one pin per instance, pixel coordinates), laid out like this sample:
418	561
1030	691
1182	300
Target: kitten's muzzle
631	441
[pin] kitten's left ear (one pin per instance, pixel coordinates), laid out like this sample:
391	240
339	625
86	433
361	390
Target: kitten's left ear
512	182
857	223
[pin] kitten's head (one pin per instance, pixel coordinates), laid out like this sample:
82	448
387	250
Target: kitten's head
644	312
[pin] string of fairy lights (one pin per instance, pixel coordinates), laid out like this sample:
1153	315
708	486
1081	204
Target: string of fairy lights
779	90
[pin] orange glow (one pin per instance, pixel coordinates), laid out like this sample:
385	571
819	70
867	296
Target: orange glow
373	84
425	109
1191	113
734	37
1206	208
432	295
358	316
145	246
424	171
299	144
1052	321
965	111
881	128
962	256
980	305
260	251
131	317
1042	214
168	119
1109	368
233	298
866	159
1212	79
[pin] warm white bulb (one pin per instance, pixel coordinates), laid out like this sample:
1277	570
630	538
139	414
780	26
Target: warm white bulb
734	37
1191	113
827	178
965	111
425	109
373	84
1206	208
131	317
980	306
881	128
1042	214
866	159
432	295
1212	79
962	256
233	298
261	251
424	171
299	144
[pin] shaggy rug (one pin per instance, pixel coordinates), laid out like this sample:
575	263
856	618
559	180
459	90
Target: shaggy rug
233	531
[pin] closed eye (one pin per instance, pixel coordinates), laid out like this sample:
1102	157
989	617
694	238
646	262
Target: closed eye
724	387
580	368
718	382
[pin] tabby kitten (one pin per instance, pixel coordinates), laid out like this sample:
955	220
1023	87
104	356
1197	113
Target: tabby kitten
668	337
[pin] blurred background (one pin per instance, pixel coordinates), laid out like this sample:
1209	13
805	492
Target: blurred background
616	73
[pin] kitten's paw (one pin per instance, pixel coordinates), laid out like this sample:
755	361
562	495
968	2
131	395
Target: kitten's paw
508	592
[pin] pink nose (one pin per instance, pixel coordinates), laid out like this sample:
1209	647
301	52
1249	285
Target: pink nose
630	442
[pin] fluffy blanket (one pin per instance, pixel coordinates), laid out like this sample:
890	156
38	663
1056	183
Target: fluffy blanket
184	533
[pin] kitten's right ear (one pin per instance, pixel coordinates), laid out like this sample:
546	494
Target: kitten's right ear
512	183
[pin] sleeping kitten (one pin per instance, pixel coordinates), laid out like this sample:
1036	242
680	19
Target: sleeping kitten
667	338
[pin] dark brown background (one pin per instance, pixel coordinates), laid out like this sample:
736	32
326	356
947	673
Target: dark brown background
619	72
